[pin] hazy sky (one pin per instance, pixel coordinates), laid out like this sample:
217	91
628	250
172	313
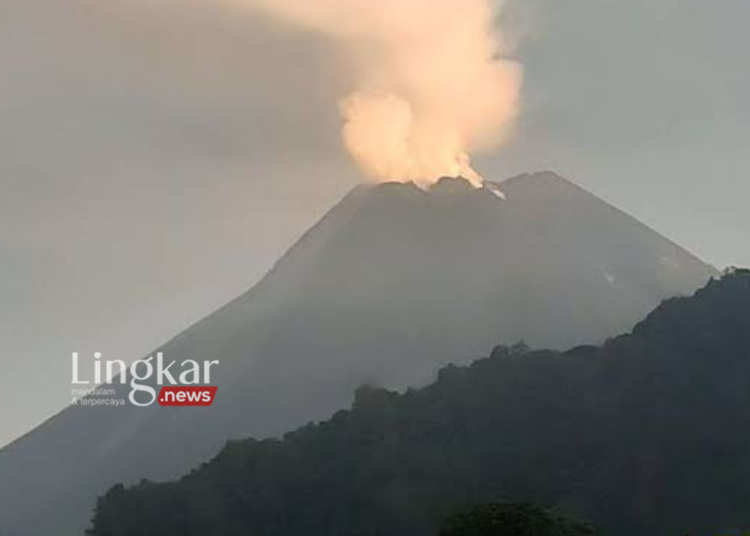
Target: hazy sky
156	156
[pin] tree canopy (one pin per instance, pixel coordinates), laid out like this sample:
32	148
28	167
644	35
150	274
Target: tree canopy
646	434
512	519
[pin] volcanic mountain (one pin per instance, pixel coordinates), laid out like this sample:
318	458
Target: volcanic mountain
391	284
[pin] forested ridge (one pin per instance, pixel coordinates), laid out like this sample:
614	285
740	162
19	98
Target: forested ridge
647	434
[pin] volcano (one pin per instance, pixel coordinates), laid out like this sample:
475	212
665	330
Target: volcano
394	282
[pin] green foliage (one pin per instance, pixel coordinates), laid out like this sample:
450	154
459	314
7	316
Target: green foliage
512	519
647	434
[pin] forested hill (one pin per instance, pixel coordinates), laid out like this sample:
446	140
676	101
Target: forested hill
645	435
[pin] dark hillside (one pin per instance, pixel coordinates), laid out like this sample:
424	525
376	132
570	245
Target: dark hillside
646	435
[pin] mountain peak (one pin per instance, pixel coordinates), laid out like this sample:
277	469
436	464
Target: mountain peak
392	283
443	186
541	184
452	185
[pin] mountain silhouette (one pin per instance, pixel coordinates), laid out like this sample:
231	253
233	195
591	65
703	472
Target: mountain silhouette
392	283
644	435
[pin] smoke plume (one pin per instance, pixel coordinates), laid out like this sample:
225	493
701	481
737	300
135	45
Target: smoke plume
432	82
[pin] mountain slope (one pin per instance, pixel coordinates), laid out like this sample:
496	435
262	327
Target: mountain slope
392	283
646	435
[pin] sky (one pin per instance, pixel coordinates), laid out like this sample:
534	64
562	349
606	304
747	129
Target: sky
156	157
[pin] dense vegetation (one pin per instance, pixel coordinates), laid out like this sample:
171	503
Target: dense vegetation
512	519
648	434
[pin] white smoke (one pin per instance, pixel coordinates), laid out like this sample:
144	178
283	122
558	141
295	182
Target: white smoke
433	82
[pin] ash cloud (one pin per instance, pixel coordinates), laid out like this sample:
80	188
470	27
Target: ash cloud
432	81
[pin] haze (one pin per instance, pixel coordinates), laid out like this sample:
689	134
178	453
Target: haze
156	157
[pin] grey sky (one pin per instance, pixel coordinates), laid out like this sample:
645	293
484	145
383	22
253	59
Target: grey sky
157	156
